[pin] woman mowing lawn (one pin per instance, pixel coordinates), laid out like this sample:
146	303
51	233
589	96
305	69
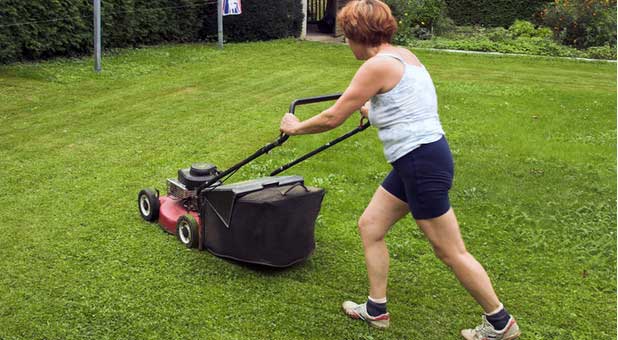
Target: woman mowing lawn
403	106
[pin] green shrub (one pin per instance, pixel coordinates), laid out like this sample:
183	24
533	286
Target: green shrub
131	23
262	20
522	45
45	39
419	18
521	28
492	13
581	23
464	32
539	46
601	52
520	38
444	24
517	30
499	34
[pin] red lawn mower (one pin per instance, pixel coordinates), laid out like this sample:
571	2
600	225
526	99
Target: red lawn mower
268	221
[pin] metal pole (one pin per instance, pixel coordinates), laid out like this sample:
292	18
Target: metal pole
97	36
220	22
303	31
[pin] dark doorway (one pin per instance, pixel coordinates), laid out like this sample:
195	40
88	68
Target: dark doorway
321	16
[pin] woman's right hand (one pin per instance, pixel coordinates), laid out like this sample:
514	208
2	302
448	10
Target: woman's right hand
288	124
364	111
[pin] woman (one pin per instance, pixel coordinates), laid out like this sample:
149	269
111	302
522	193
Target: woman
403	107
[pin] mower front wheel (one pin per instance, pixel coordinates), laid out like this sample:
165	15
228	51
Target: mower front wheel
186	231
148	204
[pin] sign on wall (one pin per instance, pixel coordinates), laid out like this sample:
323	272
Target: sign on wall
232	7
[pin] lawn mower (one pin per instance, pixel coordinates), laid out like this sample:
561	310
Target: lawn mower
268	221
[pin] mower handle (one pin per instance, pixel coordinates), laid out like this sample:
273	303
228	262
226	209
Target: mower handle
363	126
312	100
305	101
265	149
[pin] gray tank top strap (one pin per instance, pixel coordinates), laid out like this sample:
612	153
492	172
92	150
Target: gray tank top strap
384	54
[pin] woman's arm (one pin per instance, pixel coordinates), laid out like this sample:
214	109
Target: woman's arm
367	82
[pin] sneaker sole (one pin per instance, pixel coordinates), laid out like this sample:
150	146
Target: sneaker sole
377	324
512	337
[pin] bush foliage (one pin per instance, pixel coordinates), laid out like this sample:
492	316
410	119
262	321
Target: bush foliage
492	13
419	19
588	25
262	20
522	28
40	29
521	38
581	23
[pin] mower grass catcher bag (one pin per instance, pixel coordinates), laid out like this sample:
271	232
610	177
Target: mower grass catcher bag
268	221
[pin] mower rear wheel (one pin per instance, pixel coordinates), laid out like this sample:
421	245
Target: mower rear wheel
186	231
148	204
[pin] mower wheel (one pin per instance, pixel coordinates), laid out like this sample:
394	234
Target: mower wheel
148	204
186	231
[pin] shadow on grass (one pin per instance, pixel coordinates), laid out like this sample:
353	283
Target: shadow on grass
263	269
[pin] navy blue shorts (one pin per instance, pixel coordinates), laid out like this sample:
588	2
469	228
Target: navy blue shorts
422	178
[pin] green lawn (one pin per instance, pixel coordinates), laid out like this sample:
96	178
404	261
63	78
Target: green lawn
534	142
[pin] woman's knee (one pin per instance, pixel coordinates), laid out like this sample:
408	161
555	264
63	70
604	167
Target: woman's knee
450	257
370	230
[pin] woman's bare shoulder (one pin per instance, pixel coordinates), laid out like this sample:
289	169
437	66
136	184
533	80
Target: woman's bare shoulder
379	65
408	56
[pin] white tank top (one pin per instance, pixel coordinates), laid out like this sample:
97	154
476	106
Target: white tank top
406	116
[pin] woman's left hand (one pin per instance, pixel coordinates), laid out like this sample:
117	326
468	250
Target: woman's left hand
364	111
289	123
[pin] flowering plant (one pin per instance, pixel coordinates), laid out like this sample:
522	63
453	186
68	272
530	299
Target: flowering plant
419	18
581	23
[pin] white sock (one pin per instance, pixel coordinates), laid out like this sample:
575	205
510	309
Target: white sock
501	307
382	300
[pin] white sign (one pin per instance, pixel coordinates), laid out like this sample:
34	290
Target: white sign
232	7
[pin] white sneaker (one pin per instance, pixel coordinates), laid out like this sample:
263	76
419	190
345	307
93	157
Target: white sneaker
356	311
485	331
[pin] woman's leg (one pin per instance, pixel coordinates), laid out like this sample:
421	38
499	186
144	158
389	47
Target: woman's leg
383	211
445	237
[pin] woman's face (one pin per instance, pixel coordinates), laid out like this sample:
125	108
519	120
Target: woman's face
359	50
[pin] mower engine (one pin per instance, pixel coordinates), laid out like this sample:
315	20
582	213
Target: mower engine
178	211
185	187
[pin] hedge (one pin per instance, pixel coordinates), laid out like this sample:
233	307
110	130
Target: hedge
264	20
41	29
492	13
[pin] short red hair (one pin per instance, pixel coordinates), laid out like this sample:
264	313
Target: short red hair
369	22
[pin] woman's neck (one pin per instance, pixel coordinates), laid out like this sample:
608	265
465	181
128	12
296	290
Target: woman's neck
374	50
